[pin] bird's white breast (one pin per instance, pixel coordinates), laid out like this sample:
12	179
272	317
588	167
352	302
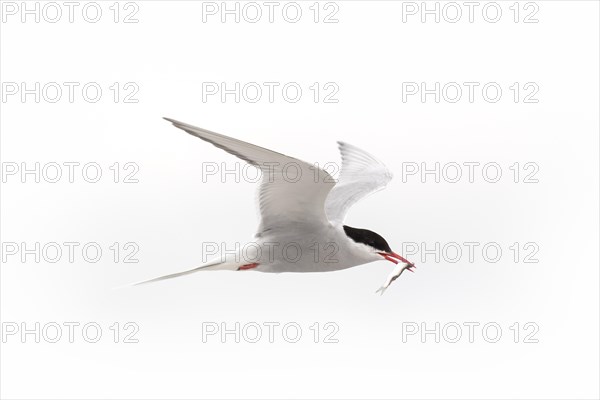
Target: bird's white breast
306	249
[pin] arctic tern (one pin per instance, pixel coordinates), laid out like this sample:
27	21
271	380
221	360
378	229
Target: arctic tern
302	212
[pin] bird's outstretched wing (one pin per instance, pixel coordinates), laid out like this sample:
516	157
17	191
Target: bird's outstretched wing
292	192
361	175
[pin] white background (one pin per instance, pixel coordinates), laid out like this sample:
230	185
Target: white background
369	53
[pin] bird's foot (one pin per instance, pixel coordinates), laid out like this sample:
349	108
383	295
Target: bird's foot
247	266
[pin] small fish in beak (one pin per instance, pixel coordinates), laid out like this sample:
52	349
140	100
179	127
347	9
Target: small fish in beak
398	270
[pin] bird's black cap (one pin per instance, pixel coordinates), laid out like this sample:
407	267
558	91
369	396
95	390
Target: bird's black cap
367	237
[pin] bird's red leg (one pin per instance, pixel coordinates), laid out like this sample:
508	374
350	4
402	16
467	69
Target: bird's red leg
247	266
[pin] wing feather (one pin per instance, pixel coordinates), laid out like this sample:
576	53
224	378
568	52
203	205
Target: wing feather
291	191
361	175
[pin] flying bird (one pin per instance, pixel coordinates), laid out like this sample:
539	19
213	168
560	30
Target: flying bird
302	212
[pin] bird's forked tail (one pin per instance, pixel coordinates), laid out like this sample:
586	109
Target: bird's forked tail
218	264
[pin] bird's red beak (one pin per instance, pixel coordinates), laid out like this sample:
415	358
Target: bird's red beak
395	258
